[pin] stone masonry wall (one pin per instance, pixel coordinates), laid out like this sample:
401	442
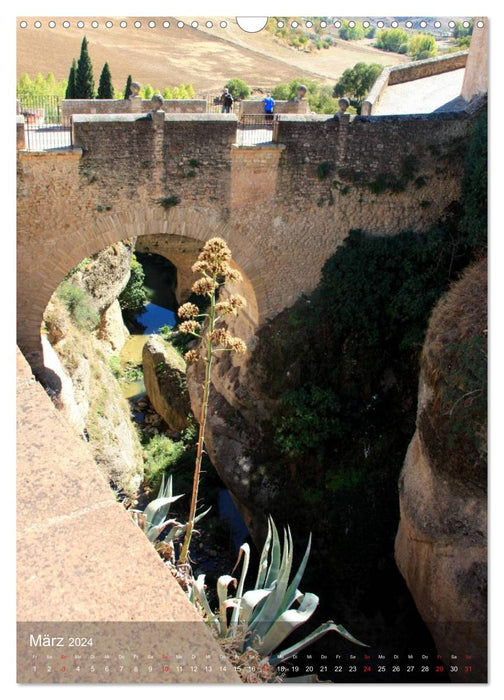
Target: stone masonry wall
281	107
283	208
428	67
71	107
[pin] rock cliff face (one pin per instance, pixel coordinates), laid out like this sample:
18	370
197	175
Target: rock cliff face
441	544
165	382
78	376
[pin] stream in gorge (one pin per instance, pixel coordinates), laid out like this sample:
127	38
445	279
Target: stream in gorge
225	530
160	280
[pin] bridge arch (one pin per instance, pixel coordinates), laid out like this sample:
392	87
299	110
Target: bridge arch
41	268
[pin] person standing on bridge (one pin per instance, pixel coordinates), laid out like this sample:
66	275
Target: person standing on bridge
269	107
343	104
226	101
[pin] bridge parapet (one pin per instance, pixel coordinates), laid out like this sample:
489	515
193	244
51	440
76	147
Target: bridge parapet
134	105
411	71
281	107
283	207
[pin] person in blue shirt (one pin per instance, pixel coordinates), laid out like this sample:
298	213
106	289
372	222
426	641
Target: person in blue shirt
269	106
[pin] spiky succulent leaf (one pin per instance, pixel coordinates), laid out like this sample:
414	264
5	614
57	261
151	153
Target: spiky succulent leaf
274	564
250	600
263	561
287	622
245	552
200	595
166	491
157	510
155	531
223	582
177	532
330	626
272	608
292	591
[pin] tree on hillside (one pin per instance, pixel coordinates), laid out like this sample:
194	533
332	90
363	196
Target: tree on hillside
40	86
356	82
238	88
422	46
459	31
105	88
351	33
127	88
391	39
319	96
147	91
71	88
84	81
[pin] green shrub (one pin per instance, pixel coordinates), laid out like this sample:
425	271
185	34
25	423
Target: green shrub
160	454
463	43
133	297
40	86
422	46
349	33
80	305
115	366
474	187
168	202
307	417
356	82
391	39
238	88
459	31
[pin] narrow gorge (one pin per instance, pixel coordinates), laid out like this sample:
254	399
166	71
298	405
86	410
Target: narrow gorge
358	414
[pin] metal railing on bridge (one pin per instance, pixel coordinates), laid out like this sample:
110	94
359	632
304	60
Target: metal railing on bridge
255	129
44	126
214	105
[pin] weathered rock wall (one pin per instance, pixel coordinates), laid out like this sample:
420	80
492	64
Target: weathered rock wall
441	545
165	382
77	372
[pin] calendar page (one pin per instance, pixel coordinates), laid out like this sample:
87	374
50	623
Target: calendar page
251	360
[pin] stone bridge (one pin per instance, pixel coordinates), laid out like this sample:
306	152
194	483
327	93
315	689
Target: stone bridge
174	180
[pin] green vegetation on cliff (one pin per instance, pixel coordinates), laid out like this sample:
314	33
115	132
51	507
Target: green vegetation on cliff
134	297
343	368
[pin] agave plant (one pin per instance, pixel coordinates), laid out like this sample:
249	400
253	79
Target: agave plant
154	519
262	618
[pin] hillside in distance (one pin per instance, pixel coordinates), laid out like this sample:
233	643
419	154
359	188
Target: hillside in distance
165	57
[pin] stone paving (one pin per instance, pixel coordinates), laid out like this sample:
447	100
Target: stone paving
433	94
80	557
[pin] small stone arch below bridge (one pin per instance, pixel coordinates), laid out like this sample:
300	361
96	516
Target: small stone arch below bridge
178	235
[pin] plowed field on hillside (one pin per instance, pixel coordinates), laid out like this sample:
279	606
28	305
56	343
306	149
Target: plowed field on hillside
207	58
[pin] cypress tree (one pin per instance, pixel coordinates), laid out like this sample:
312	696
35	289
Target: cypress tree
127	88
70	91
84	81
105	88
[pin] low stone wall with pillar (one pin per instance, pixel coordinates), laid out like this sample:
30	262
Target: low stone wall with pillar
133	105
281	107
20	135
